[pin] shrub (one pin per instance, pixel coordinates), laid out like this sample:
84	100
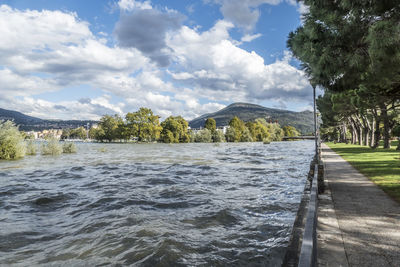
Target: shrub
52	147
11	141
203	136
30	148
218	136
69	147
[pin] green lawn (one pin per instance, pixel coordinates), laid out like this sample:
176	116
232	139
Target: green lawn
380	165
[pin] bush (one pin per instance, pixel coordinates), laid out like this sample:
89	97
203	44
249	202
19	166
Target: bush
203	136
69	147
218	136
30	148
11	141
52	147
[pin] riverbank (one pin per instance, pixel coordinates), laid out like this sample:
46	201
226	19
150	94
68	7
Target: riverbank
358	224
382	166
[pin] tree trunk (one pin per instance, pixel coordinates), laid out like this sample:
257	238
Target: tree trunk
355	129
360	130
377	133
372	137
367	127
386	127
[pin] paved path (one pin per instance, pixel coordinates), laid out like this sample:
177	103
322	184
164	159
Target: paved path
358	224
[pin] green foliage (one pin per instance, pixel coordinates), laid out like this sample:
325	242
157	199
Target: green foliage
168	137
276	132
396	131
31	148
178	127
351	49
28	136
77	133
96	133
69	147
258	130
246	136
108	125
238	126
210	125
51	147
143	124
11	141
230	135
218	136
290	131
203	136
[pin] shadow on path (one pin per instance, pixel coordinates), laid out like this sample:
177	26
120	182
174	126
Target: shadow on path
357	220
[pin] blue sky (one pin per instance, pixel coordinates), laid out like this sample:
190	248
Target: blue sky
76	59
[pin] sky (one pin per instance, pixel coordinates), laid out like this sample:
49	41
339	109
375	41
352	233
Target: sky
74	59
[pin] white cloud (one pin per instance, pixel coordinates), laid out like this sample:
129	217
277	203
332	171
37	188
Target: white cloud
243	13
248	37
130	5
214	65
45	51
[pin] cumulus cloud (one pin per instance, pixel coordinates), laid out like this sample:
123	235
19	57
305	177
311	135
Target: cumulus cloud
91	109
146	29
45	51
243	13
130	5
213	63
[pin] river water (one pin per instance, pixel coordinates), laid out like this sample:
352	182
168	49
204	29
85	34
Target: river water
229	204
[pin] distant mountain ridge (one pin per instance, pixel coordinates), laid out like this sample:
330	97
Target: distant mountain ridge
302	121
28	123
17	117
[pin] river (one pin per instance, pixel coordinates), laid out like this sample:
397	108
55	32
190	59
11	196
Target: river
228	204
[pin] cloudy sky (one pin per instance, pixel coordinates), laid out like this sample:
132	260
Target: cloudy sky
74	59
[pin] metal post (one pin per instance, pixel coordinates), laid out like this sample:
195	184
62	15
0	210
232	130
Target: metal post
315	122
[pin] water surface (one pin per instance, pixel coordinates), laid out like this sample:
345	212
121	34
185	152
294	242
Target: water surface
153	204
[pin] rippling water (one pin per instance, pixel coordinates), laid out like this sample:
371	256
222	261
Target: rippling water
153	205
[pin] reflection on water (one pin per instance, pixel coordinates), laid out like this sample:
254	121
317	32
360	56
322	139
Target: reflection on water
153	204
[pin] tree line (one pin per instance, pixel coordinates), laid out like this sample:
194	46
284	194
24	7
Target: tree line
144	126
351	49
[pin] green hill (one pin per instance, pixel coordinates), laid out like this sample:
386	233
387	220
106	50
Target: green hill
28	123
302	121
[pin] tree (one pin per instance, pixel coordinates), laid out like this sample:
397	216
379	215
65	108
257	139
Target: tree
108	125
290	131
230	135
78	133
210	125
237	126
246	136
258	129
218	136
178	126
96	133
11	141
143	124
354	46
203	136
396	132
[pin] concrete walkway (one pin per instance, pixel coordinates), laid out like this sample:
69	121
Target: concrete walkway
358	224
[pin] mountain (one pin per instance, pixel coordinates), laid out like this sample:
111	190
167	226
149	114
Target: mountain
18	117
28	123
302	121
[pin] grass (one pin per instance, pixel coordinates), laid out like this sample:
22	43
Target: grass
382	166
